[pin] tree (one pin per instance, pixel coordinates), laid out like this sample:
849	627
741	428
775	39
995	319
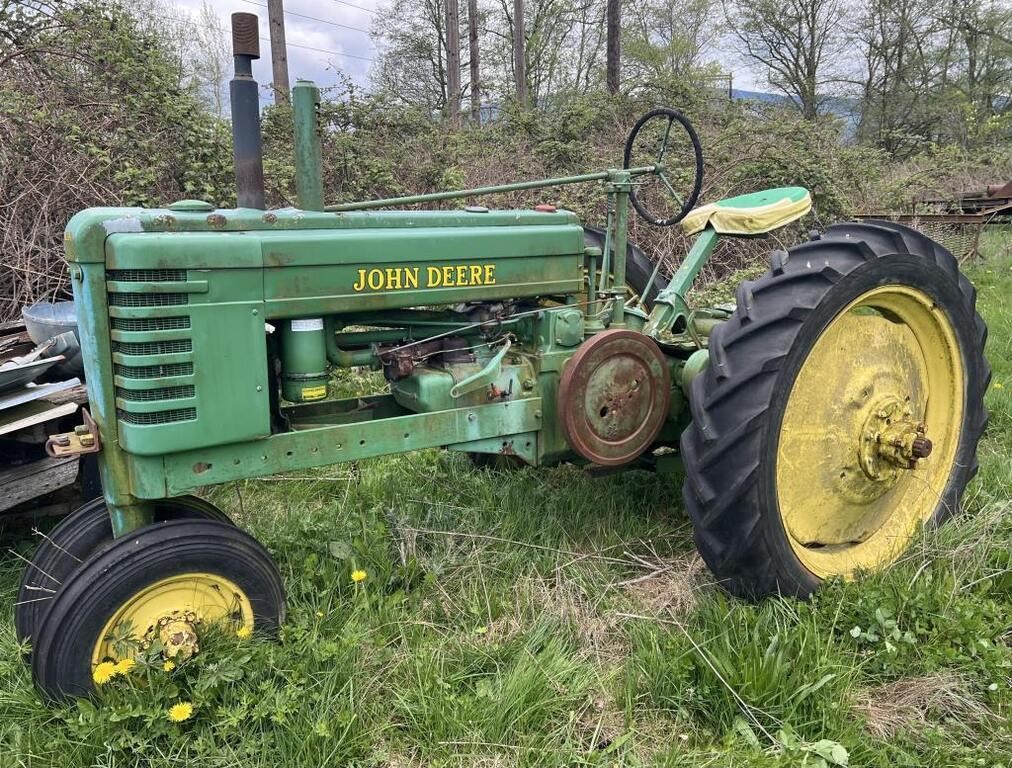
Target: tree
411	63
796	42
520	53
94	110
474	63
614	46
899	89
933	74
453	63
666	39
211	58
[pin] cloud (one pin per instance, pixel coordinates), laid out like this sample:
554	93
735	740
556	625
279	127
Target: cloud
318	49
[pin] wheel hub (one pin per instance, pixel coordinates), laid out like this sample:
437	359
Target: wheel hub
173	612
177	634
892	440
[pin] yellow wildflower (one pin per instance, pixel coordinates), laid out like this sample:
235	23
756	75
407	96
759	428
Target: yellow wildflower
243	632
180	712
998	385
104	672
169	665
358	575
124	665
319	614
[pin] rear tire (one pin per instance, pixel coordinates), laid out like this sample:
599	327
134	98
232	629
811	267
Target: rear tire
735	451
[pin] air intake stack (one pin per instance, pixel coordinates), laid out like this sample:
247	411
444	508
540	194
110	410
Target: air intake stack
245	100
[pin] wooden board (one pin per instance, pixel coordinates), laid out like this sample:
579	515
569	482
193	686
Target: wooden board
28	481
33	413
30	392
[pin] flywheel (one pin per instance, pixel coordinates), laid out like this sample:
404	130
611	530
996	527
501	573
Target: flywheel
614	397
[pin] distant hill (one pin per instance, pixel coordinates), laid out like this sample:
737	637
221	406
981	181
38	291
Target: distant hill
839	106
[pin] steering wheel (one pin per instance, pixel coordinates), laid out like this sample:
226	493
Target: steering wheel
658	136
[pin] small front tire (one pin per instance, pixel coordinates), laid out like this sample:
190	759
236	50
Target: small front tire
166	583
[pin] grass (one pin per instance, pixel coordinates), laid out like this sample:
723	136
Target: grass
547	618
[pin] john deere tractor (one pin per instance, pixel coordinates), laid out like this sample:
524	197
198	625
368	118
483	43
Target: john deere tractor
821	420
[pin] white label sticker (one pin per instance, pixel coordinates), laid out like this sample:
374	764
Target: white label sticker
312	324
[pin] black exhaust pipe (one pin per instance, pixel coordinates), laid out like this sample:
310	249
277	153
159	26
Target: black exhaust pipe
244	97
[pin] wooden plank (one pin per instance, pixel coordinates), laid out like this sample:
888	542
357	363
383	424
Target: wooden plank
29	481
33	413
34	392
76	394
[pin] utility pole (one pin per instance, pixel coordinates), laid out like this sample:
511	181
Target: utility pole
614	14
472	43
279	53
519	52
453	62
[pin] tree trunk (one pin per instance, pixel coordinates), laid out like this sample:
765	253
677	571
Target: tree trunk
520	53
453	63
472	42
614	14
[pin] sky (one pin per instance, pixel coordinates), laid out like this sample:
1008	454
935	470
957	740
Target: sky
338	48
334	42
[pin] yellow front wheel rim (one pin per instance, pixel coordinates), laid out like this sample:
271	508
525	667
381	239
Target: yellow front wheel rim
172	611
851	491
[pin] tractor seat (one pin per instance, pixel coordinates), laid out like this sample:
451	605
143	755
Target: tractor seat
753	214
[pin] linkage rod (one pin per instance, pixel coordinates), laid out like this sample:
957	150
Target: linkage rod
475	192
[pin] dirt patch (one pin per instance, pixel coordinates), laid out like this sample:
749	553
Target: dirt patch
674	589
914	704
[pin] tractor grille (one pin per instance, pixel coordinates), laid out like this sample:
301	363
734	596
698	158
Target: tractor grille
152	347
147	299
154	371
147	275
163	393
159	350
150	323
158	417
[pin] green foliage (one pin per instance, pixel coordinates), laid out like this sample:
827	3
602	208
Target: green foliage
93	111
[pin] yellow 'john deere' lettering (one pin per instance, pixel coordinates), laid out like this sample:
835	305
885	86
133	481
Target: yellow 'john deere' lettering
402	278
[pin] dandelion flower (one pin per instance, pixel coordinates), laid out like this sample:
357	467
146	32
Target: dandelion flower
358	575
319	614
169	665
103	673
243	632
999	385
180	712
124	665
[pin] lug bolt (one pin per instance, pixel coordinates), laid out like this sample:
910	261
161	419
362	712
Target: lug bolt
921	447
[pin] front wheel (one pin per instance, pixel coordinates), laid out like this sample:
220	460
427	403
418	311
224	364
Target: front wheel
840	411
156	591
79	535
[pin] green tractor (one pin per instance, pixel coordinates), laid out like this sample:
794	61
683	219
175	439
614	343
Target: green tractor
821	421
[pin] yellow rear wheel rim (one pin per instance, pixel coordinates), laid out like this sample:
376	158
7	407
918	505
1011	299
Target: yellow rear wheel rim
887	362
173	611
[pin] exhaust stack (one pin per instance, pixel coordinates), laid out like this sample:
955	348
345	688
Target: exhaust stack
245	100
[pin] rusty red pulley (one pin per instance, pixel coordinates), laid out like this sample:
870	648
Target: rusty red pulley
614	397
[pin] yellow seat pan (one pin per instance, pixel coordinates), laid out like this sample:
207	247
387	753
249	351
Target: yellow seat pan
753	214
